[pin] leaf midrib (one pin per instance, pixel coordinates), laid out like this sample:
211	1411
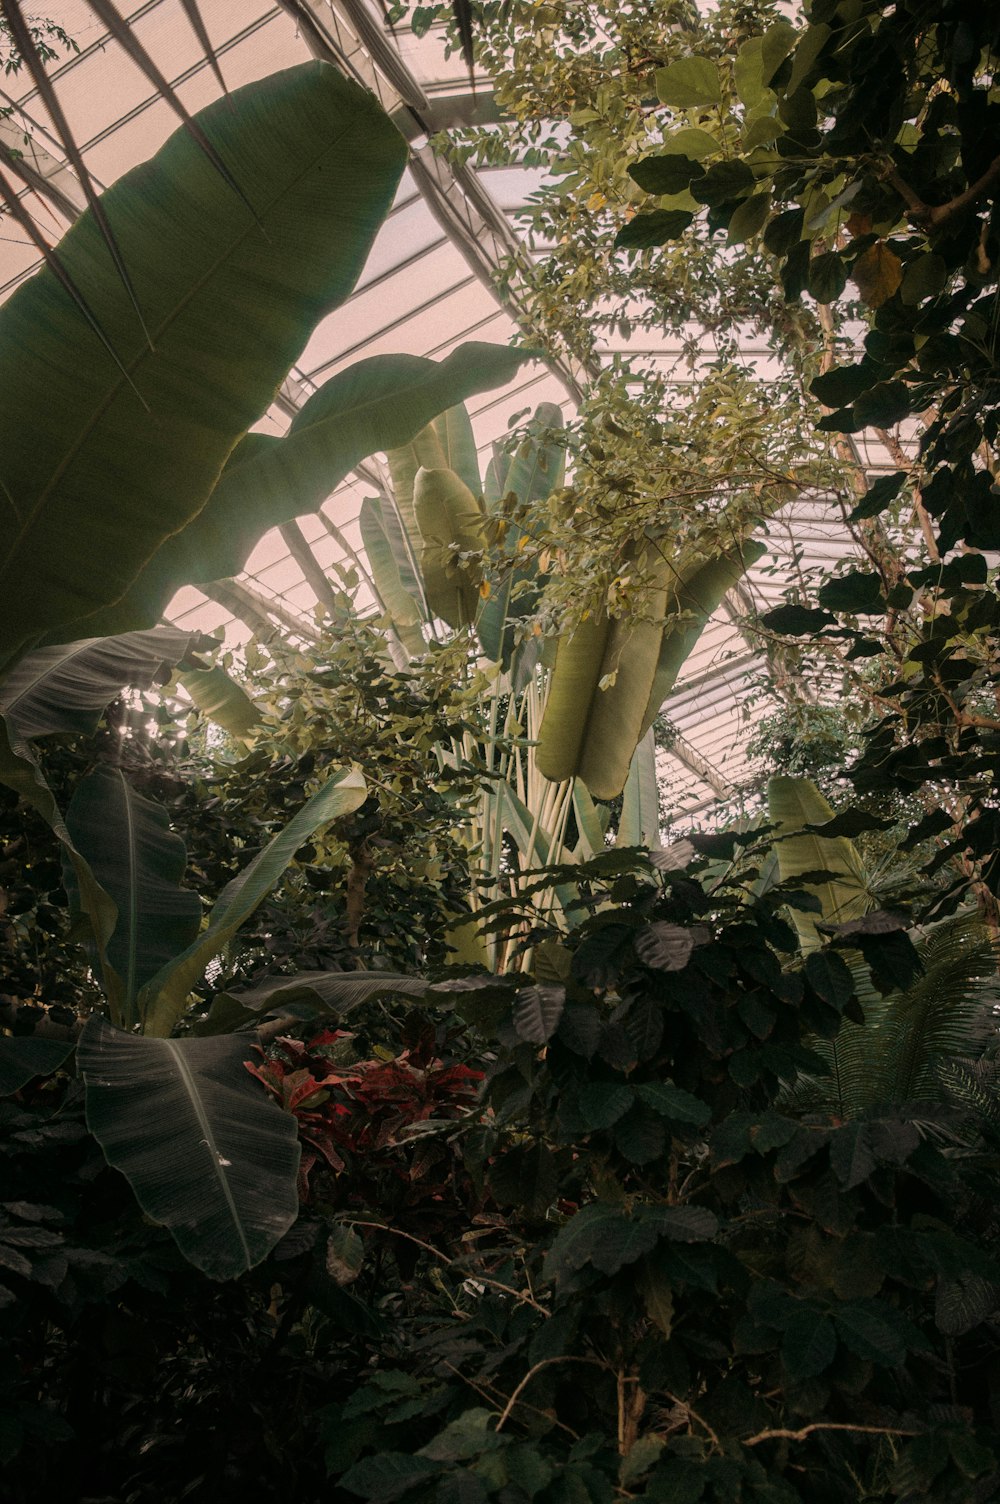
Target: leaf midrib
208	1137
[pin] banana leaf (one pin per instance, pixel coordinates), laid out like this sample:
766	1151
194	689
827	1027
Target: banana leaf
367	408
67	686
218	696
450	520
640	818
794	803
22	1059
101	463
458	443
336	991
139	862
205	1150
164	998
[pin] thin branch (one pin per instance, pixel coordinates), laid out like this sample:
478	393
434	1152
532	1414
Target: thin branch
780	1433
484	1279
931	216
546	1363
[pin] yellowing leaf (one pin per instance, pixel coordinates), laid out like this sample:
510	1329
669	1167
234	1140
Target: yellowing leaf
877	273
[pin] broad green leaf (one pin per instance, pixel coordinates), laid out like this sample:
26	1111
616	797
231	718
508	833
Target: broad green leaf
205	1150
749	218
827	277
374	405
924	277
139	862
639	824
691	82
830	977
793	804
697	594
674	1102
385	1476
723	181
648	230
776	43
21	1060
748	71
591	822
454	429
664	946
690	141
450	522
667	174
877	273
94	480
883	405
389	563
335	990
218	696
164	998
66	687
572	686
806	53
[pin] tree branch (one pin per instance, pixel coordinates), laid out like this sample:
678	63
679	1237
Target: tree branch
779	1433
931	216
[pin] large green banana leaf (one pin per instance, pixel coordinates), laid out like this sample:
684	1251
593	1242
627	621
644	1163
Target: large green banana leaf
371	406
335	990
640	818
592	733
164	998
697	595
205	1150
794	803
458	442
423	451
222	700
66	687
449	519
22	1059
99	464
536	469
139	862
400	592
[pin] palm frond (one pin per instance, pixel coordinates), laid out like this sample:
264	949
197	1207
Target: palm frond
897	1055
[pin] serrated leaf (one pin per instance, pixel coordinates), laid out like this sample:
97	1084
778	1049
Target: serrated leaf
810	1344
640	1136
673	1102
602	1103
388	1475
869	1335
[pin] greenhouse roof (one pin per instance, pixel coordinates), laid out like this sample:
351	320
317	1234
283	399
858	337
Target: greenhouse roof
428	286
